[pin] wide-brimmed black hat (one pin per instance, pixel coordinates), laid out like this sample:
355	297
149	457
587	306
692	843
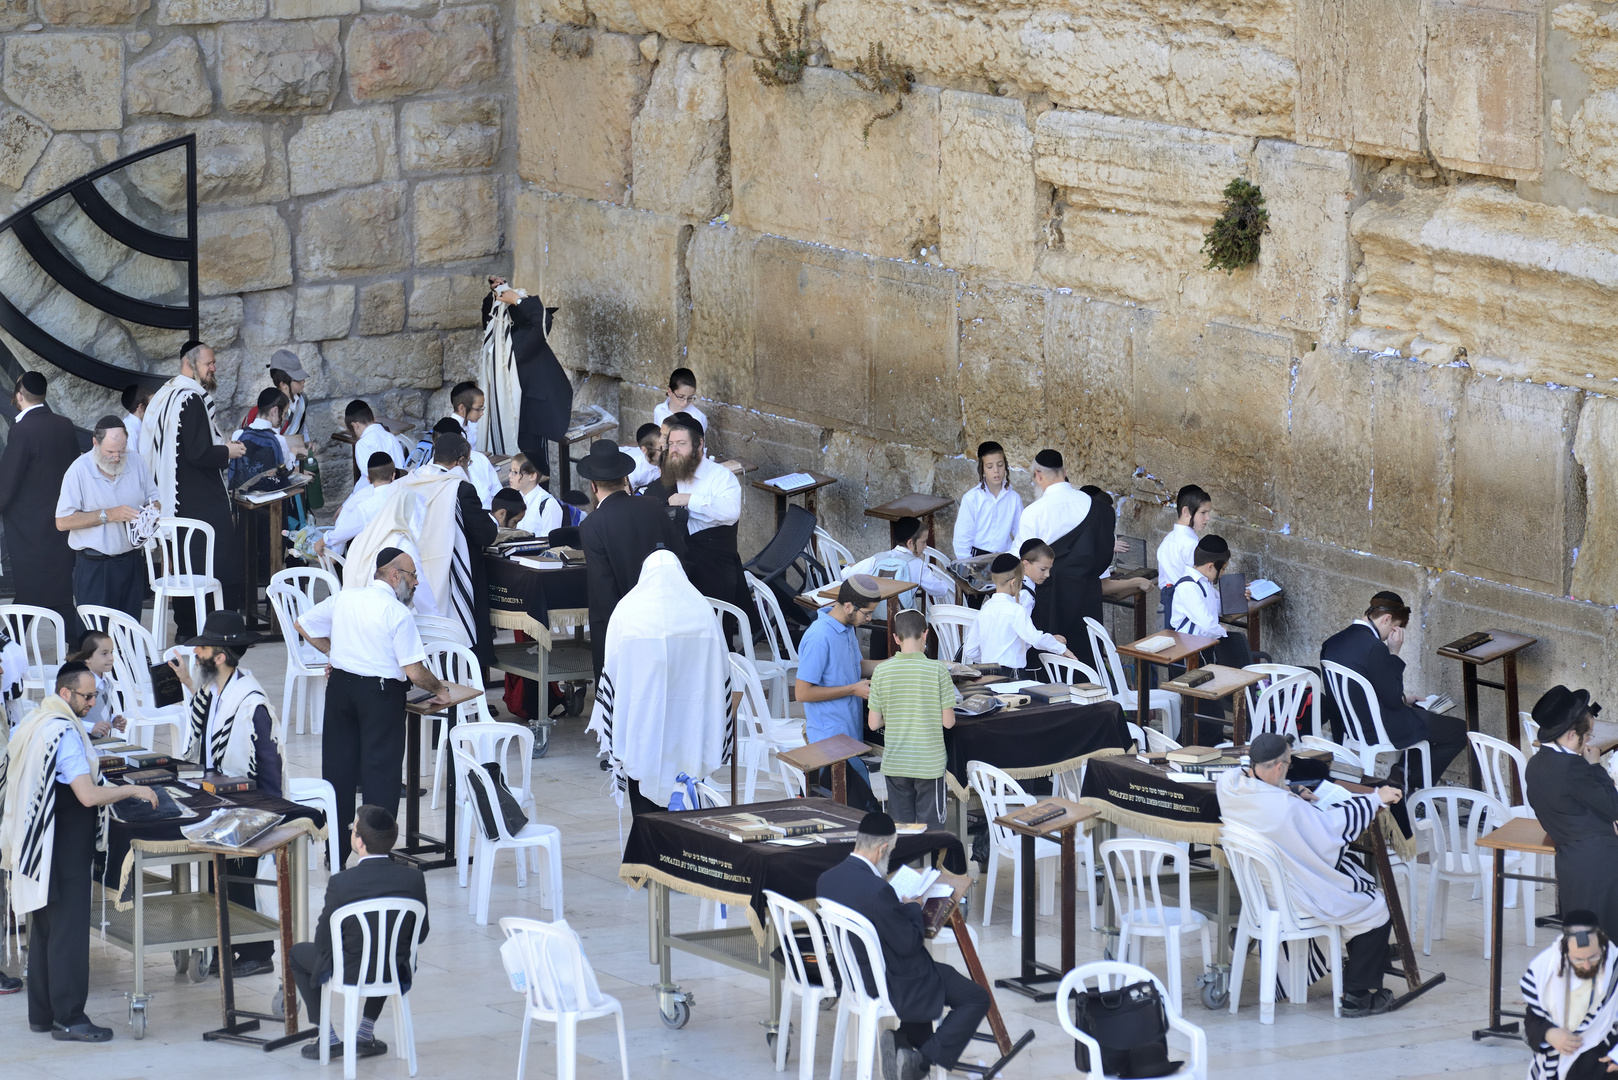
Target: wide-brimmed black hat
1558	709
225	630
606	462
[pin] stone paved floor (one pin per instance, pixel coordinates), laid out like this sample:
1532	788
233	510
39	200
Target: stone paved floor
468	1022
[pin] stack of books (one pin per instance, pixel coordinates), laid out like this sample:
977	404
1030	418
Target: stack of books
1088	693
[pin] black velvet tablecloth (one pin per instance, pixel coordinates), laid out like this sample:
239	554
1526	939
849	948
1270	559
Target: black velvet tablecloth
1033	737
517	589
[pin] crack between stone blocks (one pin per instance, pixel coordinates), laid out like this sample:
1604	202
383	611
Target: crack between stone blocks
682	292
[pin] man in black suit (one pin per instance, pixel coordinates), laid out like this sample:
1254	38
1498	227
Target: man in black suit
918	986
1370	646
617	537
38	452
547	393
373	877
1575	800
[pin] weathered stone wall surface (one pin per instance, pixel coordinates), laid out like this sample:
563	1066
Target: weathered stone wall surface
1406	390
353	162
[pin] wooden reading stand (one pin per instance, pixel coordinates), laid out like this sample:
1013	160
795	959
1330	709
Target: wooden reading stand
1063	830
415	845
834	752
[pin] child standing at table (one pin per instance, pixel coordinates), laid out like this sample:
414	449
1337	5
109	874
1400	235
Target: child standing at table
989	512
1004	631
681	396
1037	560
1194	507
913	700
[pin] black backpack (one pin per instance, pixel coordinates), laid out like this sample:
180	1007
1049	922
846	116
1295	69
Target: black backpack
259	468
1132	1027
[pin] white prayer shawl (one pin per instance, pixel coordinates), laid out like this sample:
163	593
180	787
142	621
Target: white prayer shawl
662	705
497	433
422	517
28	799
1545	987
234	749
160	435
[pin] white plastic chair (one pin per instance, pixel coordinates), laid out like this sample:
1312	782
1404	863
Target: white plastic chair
453	662
1276	673
1002	795
1138	734
1060	669
768	670
332	563
377	976
533	835
793	779
1133	866
953	623
313	791
1530	734
182	578
36	629
490	740
832	555
1276	709
783	654
1113	975
760	735
1159	743
1112	677
1368	739
785	915
134	654
291	594
1270	917
852	936
1453	855
559	988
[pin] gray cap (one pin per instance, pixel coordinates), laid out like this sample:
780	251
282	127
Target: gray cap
288	361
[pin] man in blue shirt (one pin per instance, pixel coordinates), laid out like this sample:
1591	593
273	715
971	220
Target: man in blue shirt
833	678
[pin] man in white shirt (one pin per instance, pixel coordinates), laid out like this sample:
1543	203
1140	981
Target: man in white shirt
1194	507
1004	633
707	503
466	402
370	437
1081	542
134	400
989	512
376	653
361	505
101	492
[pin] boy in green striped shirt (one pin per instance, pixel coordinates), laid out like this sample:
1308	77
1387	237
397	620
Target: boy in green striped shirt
913	698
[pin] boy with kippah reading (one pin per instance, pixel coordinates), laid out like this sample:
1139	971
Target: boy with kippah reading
913	701
1004	631
1193	508
1196	604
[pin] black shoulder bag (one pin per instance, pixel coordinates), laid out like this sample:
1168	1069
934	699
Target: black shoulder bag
1132	1027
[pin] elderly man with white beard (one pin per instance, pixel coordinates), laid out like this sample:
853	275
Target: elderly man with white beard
102	491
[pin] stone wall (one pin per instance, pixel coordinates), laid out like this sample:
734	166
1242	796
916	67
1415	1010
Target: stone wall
1407	390
353	160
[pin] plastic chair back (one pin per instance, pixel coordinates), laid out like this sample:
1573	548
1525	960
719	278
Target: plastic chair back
1133	867
134	654
290	604
173	539
477	777
379	940
557	978
832	555
1498	759
1276	672
1112	669
1115	975
1361	713
1454	841
313	582
1277	707
1061	669
743	624
1159	743
491	740
36	629
439	628
1000	795
1261	881
953	623
790	542
454	662
854	939
793	779
785	914
782	650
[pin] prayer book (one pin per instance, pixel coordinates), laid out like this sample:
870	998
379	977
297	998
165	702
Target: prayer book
1016	687
791	481
1439	703
1330	794
740	827
910	883
1156	643
1132	561
1194	755
227	785
1088	693
1232	594
910	828
1049	693
1039	813
806	828
1262	587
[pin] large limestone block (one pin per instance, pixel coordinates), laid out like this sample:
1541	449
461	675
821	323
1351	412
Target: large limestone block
1360	84
14	13
530	208
221	320
243	250
679	140
312	9
323	312
710	22
1412	486
172	12
381	308
799	167
22	141
343	149
913	343
1526	289
91	12
279	66
447	302
72	82
1595	574
1090	354
1587	138
392	56
988	214
1485	108
171	81
365	364
575	113
870	472
66	158
1302	278
1513	481
457	219
1331	448
1211	408
354	232
237	162
719	263
267	318
1003	369
440	136
1136	198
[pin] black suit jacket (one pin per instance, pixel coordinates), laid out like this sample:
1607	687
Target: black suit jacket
547	393
480	531
39	450
1359	648
1577	803
914	988
616	539
368	879
199	491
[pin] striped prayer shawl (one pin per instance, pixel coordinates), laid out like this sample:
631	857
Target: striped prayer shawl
497	434
1545	988
233	749
28	795
160	436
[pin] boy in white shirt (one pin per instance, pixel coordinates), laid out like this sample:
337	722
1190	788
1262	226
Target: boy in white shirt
1197	605
370	438
543	512
360	506
480	471
1004	633
989	512
647	455
1194	507
1037	560
908	562
134	399
682	392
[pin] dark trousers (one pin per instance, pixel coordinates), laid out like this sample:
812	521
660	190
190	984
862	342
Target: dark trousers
59	932
1367	960
1447	737
362	748
305	958
967	1004
640	804
115	581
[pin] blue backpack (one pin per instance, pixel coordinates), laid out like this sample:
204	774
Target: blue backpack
248	472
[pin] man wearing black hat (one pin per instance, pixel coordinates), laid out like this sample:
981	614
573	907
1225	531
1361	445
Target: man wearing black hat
617	537
1061	517
1370	646
233	732
919	987
1570	992
1576	802
39	451
376	653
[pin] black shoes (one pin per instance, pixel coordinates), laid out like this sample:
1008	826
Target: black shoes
81	1032
38	1029
9	985
1367	1002
243	969
364	1048
898	1061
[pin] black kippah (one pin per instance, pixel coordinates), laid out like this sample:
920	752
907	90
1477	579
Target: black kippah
378	459
506	496
877	823
448	426
906	528
387	555
33	383
1048	459
189	345
1004	563
1212	545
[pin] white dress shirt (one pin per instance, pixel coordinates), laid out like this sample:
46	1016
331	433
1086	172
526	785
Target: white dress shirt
544	512
484	477
358	510
86	487
132	425
371	633
262	424
24	413
645	472
1004	633
377	439
906	567
1196	607
716	496
986	522
1174	555
663	412
1025	598
1057	512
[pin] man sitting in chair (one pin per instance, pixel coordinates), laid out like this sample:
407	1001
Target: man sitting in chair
918	986
373	877
1325	880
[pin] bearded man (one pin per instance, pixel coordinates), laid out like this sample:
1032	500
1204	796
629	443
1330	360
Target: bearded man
707	502
103	490
39	450
186	454
1571	996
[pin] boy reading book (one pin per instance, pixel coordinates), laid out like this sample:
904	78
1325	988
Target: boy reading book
682	393
1196	603
1193	508
1004	632
913	700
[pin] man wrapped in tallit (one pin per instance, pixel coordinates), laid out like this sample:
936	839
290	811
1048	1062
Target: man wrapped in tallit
1571	994
662	709
1325	880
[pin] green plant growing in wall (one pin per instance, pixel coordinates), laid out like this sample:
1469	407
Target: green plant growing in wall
878	73
1233	242
785	58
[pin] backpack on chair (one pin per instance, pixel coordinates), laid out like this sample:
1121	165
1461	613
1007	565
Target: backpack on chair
1132	1027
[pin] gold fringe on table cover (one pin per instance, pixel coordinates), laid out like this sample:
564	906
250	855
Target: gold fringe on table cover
1034	772
180	847
638	874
